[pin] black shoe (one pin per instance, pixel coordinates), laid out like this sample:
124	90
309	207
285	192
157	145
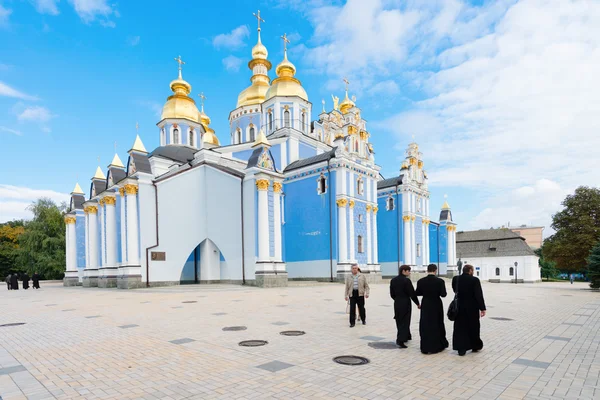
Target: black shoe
474	351
402	345
364	322
462	353
351	325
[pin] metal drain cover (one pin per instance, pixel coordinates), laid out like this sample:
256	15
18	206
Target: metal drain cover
292	333
13	324
235	328
351	360
189	301
253	343
383	345
502	319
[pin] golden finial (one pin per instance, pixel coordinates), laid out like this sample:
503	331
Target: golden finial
202	98
257	16
323	101
285	43
180	62
347	83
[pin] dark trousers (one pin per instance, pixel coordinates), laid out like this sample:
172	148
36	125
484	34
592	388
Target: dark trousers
354	300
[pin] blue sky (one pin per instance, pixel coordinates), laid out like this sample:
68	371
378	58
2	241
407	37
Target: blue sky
501	96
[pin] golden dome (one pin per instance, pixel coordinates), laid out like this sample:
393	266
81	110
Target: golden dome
255	93
260	66
180	105
285	84
210	137
259	51
346	104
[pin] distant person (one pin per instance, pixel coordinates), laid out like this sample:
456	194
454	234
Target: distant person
25	279
7	280
571	278
14	282
36	280
471	306
357	310
431	324
357	289
402	291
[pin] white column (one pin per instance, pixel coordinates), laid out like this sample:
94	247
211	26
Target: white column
87	240
407	240
72	245
102	233
375	243
111	231
67	248
263	219
277	220
123	230
93	236
413	238
453	245
369	253
450	255
342	230
352	251
133	256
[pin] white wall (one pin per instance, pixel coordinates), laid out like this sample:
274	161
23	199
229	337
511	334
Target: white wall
527	270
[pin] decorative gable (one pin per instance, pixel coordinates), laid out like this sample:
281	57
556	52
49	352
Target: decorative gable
265	160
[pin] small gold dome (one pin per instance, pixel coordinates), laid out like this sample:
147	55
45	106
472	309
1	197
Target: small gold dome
255	93
203	118
180	105
259	51
285	84
210	137
346	104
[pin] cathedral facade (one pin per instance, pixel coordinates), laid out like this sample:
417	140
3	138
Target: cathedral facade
288	198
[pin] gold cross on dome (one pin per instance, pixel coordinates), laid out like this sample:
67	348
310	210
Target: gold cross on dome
346	82
285	41
180	62
257	16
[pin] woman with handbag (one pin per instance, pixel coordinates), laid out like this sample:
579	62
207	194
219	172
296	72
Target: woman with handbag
471	306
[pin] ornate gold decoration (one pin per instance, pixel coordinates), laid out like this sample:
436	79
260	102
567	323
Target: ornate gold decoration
277	187
369	207
364	135
70	220
101	202
413	218
425	221
406	218
339	135
352	130
110	201
91	210
342	202
131	189
122	191
413	161
351	204
262	184
375	209
420	164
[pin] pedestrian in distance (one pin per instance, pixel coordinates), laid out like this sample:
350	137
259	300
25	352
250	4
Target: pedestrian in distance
357	290
14	282
36	280
431	323
25	278
7	280
402	291
571	278
471	306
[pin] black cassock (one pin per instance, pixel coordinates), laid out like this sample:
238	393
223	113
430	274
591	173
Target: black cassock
36	281
466	334
431	324
14	282
402	291
25	281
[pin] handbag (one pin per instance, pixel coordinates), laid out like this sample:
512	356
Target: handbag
453	307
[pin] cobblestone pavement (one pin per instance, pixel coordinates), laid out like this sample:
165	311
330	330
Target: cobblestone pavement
169	343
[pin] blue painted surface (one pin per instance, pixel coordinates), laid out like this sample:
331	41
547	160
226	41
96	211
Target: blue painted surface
443	243
433	243
390	234
360	228
419	239
80	234
307	231
243	155
276	155
271	222
188	271
306	151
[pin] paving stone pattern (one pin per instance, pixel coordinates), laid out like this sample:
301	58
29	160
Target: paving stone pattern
550	351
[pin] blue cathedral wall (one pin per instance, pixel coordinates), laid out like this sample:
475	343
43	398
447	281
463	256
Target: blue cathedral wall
306	151
390	235
360	229
271	223
80	233
419	239
433	243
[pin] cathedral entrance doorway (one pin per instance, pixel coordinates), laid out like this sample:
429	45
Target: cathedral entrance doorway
204	264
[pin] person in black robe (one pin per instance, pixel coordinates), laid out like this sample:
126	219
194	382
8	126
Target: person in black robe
7	280
36	280
402	291
25	278
431	324
14	282
471	306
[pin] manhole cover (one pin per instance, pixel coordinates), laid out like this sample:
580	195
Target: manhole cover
253	343
351	360
292	333
235	328
13	324
383	345
189	301
501	319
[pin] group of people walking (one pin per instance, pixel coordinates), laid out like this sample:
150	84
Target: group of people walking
12	281
469	295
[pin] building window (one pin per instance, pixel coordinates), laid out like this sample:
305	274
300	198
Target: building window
163	140
321	184
360	218
192	137
175	136
238	136
360	244
286	118
418	249
356	145
359	186
390	204
303	121
252	134
511	271
497	271
270	120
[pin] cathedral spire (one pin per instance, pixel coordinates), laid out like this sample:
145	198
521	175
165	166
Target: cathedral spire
77	190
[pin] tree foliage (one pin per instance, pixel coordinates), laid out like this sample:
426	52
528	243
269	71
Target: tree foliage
593	267
42	244
548	268
577	229
9	246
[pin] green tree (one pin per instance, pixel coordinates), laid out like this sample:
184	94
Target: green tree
577	229
593	268
42	245
9	246
548	268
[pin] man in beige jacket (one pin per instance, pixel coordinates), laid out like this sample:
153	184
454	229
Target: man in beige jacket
357	289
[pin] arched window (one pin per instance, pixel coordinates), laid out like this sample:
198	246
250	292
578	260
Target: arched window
303	121
286	118
359	186
270	121
238	136
163	140
511	271
252	134
356	145
321	184
175	136
497	271
360	244
390	203
191	138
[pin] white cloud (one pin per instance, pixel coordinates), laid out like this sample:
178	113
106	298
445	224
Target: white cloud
133	40
387	87
35	114
233	40
232	63
11	131
92	10
14	201
8	91
4	15
46	6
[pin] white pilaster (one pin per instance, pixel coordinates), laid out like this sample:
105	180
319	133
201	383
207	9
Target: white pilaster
369	252
87	241
111	231
93	237
277	220
375	243
102	233
133	256
262	186
413	238
352	233
123	229
342	230
407	240
423	243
